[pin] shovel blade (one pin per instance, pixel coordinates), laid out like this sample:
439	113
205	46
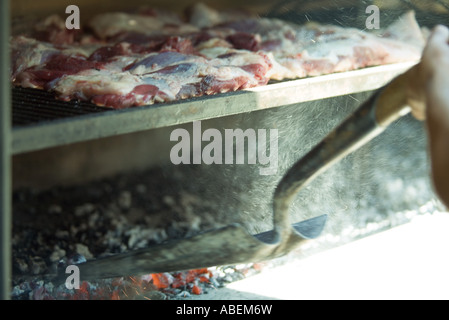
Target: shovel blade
228	245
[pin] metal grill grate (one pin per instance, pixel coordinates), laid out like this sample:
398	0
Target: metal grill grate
350	13
34	106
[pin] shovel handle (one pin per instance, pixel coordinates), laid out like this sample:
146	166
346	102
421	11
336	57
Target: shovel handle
384	107
392	100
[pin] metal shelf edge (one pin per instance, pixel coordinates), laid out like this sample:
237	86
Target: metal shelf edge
105	124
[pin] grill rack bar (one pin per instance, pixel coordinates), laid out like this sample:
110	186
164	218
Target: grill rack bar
34	106
55	123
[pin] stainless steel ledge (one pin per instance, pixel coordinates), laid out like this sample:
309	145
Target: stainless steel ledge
115	122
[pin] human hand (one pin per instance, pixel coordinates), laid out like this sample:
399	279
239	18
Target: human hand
434	65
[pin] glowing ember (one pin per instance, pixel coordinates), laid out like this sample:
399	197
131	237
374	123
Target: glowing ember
156	286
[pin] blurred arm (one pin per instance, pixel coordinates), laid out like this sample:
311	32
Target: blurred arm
429	98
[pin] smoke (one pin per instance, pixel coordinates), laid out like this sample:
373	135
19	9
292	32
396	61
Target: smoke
388	175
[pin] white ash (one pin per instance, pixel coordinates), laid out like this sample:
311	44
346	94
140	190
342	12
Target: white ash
57	254
83	250
106	217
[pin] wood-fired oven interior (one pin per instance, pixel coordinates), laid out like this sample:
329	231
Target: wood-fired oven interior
120	192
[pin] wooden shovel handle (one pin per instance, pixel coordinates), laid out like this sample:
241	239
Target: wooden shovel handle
392	100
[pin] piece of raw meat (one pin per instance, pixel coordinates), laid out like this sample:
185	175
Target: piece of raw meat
164	76
133	59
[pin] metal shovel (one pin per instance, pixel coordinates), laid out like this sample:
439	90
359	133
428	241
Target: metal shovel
233	244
